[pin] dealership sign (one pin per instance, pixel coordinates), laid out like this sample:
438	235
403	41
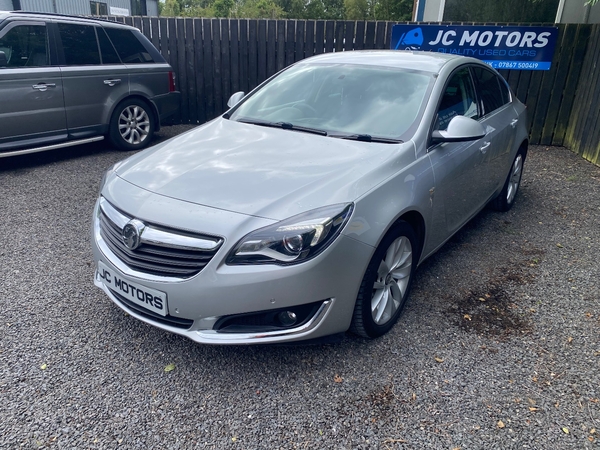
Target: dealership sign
521	48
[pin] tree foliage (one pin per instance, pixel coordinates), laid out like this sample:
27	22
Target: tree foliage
396	10
400	10
501	11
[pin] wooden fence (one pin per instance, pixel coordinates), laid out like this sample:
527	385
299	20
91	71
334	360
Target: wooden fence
214	58
583	129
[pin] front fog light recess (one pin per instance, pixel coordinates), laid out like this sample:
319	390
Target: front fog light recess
292	240
287	318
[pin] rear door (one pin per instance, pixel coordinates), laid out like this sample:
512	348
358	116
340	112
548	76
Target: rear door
500	120
93	76
149	73
31	91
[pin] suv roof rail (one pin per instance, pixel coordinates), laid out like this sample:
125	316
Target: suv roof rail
68	16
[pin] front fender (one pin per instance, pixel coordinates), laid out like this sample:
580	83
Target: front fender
408	190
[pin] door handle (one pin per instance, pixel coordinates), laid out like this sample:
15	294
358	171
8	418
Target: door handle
513	123
112	82
484	147
42	87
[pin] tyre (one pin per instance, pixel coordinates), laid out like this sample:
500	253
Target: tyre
506	198
132	125
386	283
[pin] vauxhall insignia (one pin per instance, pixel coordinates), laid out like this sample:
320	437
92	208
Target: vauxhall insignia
132	232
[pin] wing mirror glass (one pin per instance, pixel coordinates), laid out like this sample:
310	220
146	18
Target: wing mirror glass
460	129
235	99
3	60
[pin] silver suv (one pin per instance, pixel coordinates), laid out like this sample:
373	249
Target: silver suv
68	80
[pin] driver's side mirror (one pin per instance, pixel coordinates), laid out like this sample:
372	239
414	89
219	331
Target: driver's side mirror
235	99
3	60
460	129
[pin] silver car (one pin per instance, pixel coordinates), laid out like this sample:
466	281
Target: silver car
305	210
69	80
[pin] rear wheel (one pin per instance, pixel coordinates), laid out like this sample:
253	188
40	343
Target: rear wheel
132	125
386	283
506	198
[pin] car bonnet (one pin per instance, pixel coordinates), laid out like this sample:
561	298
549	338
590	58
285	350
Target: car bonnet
259	171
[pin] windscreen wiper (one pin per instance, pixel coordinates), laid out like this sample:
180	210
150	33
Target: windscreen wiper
366	138
284	125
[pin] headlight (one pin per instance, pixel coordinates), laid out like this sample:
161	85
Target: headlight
292	240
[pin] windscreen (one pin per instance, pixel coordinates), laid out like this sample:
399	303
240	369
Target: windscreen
342	98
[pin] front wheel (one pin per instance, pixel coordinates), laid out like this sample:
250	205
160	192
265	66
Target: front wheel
506	198
132	125
386	283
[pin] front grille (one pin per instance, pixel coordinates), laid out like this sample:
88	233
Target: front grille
172	321
178	254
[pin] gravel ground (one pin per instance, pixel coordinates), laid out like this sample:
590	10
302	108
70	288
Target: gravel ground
499	346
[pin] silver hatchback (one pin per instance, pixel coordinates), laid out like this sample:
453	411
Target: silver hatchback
305	209
68	80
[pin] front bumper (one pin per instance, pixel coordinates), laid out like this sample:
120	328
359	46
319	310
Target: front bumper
219	290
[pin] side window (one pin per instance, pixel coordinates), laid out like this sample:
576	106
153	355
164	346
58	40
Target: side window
505	91
458	99
129	48
109	54
79	44
25	46
488	87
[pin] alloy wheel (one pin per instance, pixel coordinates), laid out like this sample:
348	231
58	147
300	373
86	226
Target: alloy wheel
392	281
515	179
134	124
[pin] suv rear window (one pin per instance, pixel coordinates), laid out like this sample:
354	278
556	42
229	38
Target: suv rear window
109	55
129	48
79	44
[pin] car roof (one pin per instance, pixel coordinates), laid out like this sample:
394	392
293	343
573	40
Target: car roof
49	16
423	61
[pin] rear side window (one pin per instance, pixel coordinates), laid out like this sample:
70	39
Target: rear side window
109	54
488	87
129	48
79	44
25	46
505	91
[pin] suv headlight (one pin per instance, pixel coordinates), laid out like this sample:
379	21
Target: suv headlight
293	240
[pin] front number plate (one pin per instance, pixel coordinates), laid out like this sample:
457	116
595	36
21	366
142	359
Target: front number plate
155	301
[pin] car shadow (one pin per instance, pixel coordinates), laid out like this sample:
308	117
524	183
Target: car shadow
33	160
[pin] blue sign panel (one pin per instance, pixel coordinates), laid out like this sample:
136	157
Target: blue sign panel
521	48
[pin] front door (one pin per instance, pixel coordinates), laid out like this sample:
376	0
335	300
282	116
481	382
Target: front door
31	90
461	168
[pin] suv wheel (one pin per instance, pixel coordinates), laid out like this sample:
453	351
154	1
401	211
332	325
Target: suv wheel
132	125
